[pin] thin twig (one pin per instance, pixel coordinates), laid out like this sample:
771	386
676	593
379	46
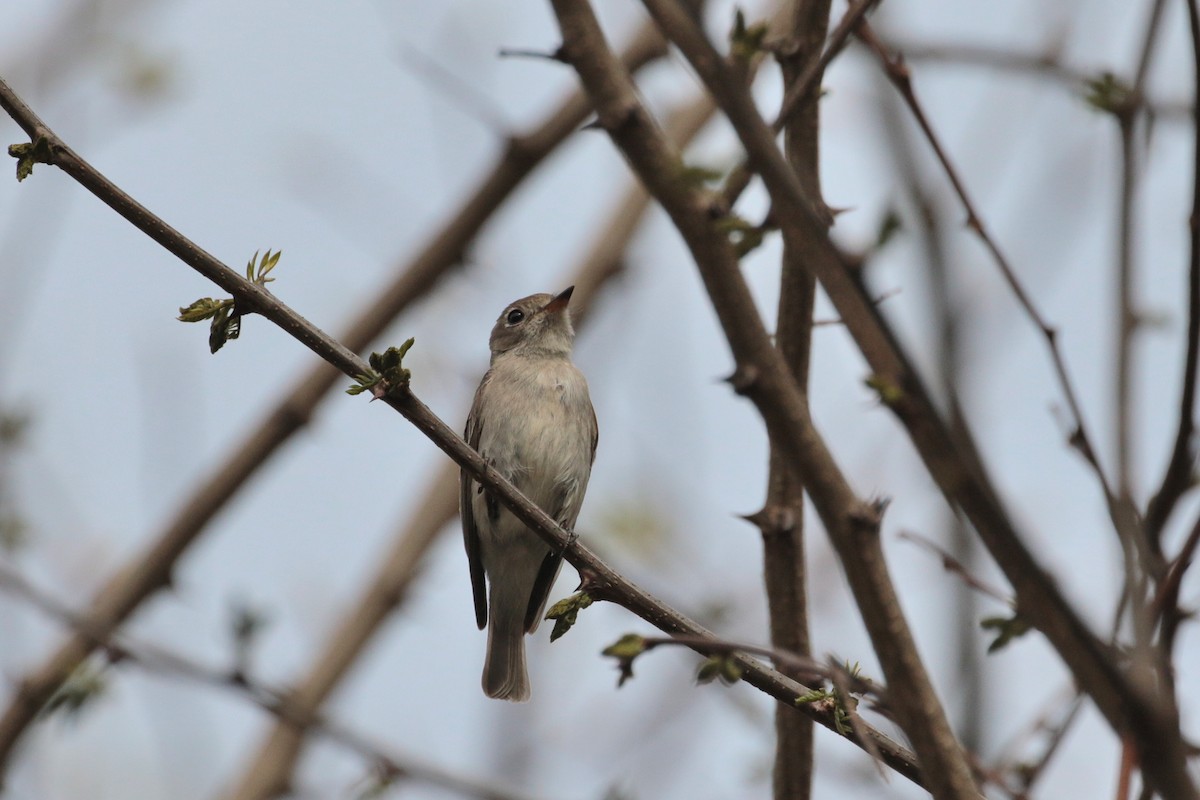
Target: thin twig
463	94
953	565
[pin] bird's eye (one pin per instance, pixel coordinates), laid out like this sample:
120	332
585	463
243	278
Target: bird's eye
515	316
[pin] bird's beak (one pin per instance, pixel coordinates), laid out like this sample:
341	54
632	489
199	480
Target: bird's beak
559	303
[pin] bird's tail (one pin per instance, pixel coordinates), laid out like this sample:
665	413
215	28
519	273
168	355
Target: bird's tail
504	674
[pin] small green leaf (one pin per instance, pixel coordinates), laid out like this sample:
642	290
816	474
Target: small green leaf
389	368
744	236
723	667
29	153
268	264
225	315
1006	629
816	695
365	384
202	309
889	393
565	612
746	41
86	683
1109	93
889	227
697	176
831	701
625	650
226	325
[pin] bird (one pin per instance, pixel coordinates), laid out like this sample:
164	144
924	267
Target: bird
532	421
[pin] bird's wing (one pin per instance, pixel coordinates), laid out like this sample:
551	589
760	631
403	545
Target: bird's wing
467	485
595	431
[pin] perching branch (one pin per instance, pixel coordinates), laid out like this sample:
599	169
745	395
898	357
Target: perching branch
600	580
152	569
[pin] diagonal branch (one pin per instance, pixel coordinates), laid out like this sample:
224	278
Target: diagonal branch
601	581
151	570
953	463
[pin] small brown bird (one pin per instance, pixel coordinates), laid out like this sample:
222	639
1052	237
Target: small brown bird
533	421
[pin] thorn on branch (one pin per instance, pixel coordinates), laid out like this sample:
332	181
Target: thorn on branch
758	519
1079	442
543	55
879	505
743	378
867	517
772	520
